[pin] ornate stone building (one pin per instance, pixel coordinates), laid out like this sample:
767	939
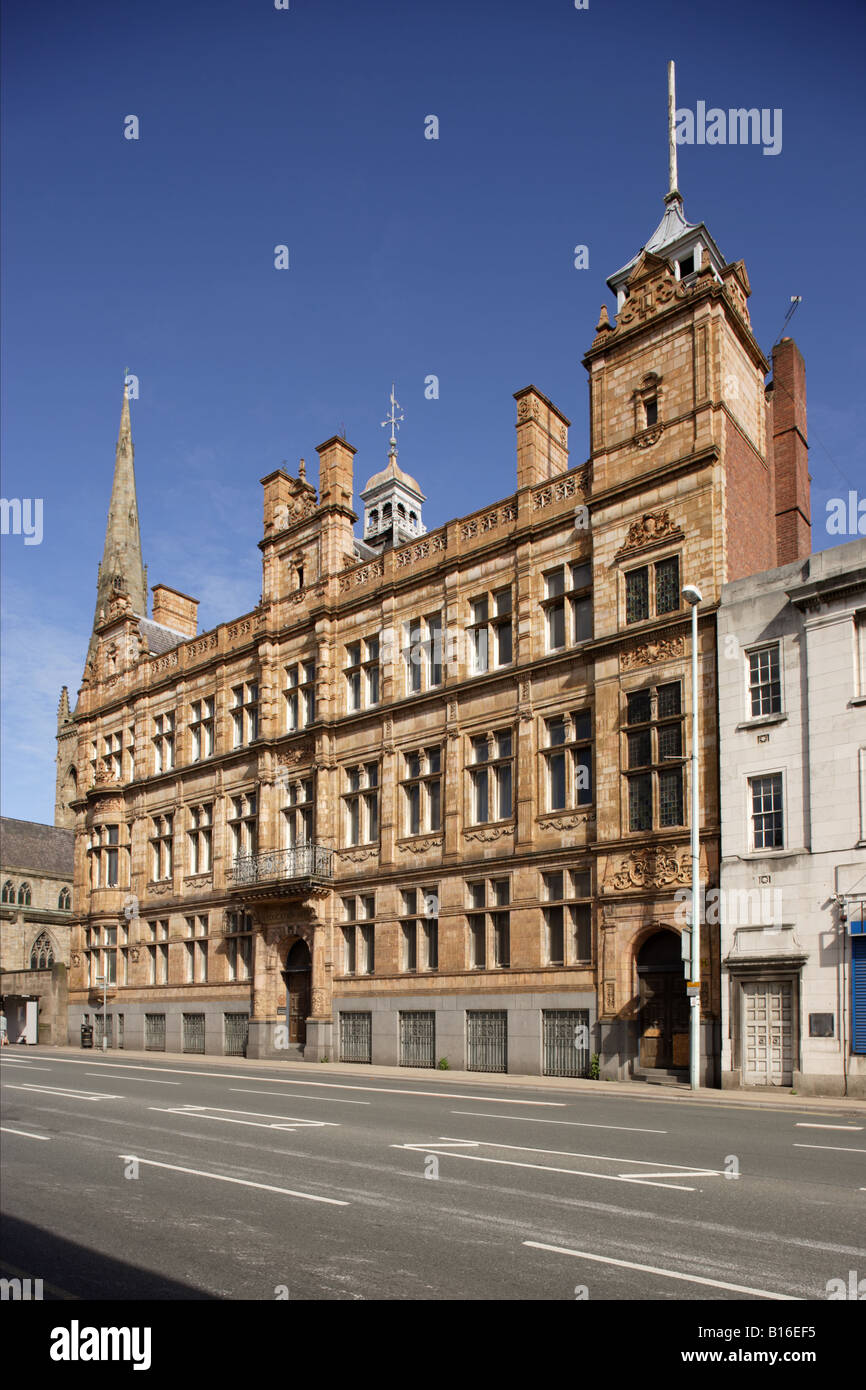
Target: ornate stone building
430	799
35	923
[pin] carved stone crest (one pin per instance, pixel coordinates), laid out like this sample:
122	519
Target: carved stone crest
652	868
659	649
652	526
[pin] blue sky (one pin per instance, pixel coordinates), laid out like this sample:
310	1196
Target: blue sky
408	257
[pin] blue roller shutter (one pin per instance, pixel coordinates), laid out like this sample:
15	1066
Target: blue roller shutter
858	994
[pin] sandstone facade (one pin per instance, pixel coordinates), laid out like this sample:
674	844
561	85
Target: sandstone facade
430	799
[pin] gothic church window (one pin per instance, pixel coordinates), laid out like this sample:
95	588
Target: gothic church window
42	953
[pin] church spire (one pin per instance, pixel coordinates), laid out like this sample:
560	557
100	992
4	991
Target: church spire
122	569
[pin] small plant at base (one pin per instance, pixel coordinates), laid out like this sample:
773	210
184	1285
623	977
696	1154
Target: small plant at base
444	1064
324	1059
595	1067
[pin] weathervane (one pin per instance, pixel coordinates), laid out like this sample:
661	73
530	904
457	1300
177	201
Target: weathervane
394	421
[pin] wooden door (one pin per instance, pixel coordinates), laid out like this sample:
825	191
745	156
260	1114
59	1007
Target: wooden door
298	1005
664	1020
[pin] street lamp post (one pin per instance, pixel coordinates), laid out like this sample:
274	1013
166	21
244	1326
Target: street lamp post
103	979
693	597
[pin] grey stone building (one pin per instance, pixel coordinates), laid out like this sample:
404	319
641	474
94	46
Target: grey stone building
792	742
35	920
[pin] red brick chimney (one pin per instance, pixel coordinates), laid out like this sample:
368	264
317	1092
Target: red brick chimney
788	452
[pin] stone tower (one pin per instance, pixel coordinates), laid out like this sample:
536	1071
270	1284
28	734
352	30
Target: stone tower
698	477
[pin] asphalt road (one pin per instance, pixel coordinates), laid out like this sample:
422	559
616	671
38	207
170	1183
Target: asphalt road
174	1178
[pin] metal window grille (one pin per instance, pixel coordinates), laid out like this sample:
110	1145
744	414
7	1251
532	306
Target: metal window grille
104	1028
668	585
637	596
120	1019
669	699
487	1040
640	802
356	1037
566	1042
154	1032
237	1028
670	741
671	797
418	1039
639	751
639	707
193	1033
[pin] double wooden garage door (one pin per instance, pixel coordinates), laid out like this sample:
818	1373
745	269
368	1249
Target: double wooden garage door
768	1033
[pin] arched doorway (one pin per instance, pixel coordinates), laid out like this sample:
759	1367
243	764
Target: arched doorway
297	973
664	1005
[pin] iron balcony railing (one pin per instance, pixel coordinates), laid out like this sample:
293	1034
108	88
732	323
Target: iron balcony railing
284	865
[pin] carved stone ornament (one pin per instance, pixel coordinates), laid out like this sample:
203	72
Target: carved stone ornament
610	996
358	856
104	774
652	287
203	644
567	822
421	846
652	526
659	649
157	890
118	606
319	1003
134	954
75	959
653	868
301	754
647	438
164	663
486	836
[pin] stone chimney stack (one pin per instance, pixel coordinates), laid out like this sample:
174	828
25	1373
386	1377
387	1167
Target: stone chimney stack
335	472
335	503
542	438
175	610
789	452
279	501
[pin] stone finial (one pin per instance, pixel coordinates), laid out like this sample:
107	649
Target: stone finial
302	470
604	324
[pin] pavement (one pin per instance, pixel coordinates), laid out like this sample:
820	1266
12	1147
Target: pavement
757	1098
